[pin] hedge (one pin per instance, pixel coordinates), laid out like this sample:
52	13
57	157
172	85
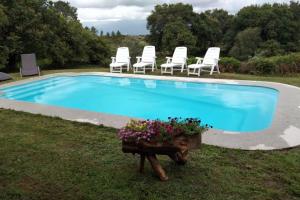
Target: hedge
285	64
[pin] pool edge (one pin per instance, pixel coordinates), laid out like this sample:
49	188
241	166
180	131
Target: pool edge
283	133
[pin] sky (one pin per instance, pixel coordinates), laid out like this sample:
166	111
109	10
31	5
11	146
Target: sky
129	16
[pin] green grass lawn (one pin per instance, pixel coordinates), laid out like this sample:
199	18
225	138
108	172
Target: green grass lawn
50	158
292	80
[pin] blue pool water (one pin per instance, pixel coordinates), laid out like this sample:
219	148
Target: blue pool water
226	107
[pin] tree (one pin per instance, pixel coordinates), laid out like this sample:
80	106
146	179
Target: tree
222	22
270	48
49	29
207	32
134	43
164	14
113	34
3	49
207	28
222	17
279	26
118	34
94	30
177	34
246	43
278	22
65	9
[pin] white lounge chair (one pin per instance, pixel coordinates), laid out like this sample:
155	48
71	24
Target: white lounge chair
121	60
177	62
208	63
146	61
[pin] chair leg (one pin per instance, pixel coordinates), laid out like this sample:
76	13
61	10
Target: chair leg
128	66
212	70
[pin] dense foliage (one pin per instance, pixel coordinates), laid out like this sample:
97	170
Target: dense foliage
134	43
282	64
49	29
265	30
254	35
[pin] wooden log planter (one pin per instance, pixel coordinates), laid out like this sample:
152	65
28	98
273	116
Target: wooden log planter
174	138
178	152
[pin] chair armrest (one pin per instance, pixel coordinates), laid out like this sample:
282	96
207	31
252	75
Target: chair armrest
168	59
217	61
199	60
113	59
138	59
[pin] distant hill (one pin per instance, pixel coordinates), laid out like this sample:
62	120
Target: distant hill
126	27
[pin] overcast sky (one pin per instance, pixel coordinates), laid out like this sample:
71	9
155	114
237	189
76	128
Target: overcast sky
129	16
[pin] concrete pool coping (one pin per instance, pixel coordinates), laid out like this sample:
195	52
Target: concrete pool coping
284	131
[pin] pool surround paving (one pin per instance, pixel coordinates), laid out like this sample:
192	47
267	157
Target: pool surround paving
284	131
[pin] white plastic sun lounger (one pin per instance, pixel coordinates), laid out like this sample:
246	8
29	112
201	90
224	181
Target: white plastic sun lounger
121	60
177	62
208	63
146	61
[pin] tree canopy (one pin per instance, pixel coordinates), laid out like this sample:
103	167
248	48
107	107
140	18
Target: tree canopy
267	30
49	29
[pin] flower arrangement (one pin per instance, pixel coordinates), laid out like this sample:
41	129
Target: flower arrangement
156	131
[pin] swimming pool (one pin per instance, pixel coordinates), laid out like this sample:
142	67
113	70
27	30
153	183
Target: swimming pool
226	107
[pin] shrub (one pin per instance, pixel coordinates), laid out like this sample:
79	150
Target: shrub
229	64
262	66
247	68
44	63
191	60
287	64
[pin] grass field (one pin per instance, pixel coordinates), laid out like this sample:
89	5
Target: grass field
292	80
50	158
